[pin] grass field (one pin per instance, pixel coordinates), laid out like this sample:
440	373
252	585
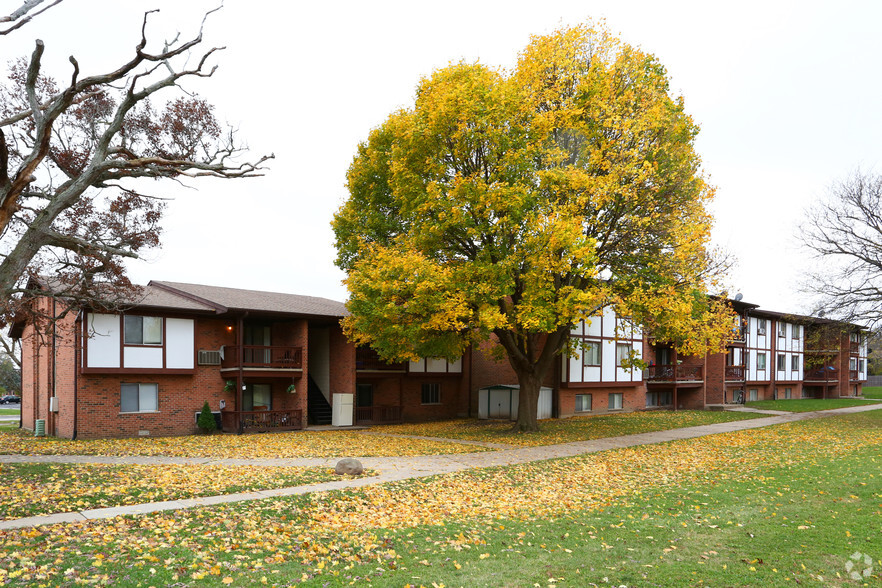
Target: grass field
808	404
873	392
30	489
10	411
555	431
784	505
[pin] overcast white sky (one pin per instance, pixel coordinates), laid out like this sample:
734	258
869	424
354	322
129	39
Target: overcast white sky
786	93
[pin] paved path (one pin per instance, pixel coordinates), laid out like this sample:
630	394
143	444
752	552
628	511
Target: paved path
390	468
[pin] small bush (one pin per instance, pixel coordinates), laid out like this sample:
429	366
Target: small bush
206	420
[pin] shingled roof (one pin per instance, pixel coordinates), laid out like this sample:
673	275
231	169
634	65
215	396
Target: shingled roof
223	300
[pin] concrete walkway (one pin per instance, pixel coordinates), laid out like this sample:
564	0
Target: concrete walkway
390	468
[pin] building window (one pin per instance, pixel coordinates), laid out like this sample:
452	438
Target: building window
861	365
143	330
760	361
794	332
787	393
794	363
583	402
615	401
852	363
139	398
752	395
782	329
431	393
591	353
623	354
855	337
782	362
760	326
659	398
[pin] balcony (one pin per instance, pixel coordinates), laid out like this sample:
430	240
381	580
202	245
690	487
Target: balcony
367	360
262	356
853	375
377	415
735	373
258	421
656	374
824	374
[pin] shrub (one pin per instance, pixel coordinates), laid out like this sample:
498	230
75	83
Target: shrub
206	420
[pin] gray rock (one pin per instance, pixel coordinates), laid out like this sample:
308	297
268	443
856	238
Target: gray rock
350	466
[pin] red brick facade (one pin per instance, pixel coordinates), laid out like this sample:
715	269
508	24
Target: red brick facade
89	401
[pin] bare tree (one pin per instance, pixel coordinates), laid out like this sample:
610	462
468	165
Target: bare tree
74	160
844	231
23	15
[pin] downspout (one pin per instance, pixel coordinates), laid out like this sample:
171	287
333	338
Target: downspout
471	370
78	339
240	377
53	388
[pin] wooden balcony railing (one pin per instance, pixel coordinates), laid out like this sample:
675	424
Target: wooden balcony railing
377	414
675	373
255	421
366	359
735	373
824	374
853	374
262	356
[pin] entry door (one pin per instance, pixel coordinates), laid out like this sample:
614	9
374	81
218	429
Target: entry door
257	397
258	335
364	395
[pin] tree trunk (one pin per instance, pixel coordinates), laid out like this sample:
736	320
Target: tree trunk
528	401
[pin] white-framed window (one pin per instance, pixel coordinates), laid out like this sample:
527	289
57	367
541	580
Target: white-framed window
583	402
861	365
782	362
761	361
591	353
142	330
787	393
615	400
855	337
760	326
782	329
139	398
794	363
431	393
852	363
794	332
623	354
659	398
752	395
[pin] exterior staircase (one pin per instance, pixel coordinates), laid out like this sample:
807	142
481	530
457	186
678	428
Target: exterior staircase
318	410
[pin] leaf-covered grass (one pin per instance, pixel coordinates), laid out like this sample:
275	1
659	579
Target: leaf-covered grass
556	431
807	404
764	507
873	392
28	489
267	445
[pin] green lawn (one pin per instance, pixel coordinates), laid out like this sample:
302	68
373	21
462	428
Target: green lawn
10	411
784	505
808	404
30	489
556	431
873	392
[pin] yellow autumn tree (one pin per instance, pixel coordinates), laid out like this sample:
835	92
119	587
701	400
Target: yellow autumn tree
512	204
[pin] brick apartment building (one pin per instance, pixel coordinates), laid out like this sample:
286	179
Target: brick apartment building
272	361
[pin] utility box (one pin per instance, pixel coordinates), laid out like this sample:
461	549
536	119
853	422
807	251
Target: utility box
501	402
341	413
53	404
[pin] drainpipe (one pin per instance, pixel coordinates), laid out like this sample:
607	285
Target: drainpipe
240	378
78	338
50	416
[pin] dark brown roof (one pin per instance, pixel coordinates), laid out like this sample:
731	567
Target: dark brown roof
234	299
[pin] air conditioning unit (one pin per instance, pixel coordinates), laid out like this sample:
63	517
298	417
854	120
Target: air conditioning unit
209	357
